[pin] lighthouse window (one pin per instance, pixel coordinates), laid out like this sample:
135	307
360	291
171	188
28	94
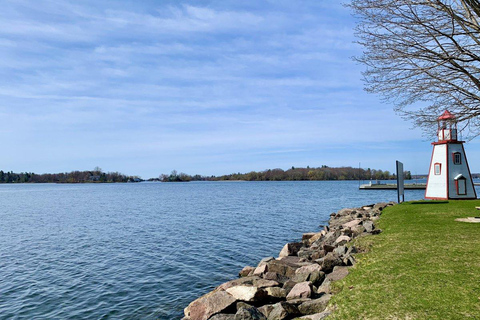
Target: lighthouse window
438	169
457	158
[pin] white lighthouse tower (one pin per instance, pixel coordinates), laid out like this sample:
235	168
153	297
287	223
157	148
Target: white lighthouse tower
449	175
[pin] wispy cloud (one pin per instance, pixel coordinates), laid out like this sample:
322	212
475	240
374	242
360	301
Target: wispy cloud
92	83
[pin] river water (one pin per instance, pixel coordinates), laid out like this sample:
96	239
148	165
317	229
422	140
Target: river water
145	250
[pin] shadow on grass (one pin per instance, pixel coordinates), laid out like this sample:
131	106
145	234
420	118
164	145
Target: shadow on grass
429	202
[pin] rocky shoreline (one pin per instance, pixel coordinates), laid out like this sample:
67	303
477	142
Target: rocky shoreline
296	285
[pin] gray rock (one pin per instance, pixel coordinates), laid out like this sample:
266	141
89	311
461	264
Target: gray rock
330	261
368	225
249	313
315	306
338	273
282	267
223	316
275	277
342	240
208	305
283	310
266	309
340	251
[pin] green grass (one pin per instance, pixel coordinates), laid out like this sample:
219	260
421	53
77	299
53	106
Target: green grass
424	265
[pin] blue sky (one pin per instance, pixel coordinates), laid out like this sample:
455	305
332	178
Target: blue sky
208	87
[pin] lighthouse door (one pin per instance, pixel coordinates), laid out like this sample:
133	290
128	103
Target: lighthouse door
461	184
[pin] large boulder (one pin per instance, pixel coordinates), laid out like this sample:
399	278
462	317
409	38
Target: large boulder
283	310
342	240
368	225
312	273
282	267
265	283
249	313
330	261
315	306
247	293
238	282
338	273
352	223
301	290
208	305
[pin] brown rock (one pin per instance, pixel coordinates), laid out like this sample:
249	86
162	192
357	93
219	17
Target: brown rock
276	292
338	273
260	270
208	305
223	316
246	271
264	283
315	306
290	249
300	290
266	309
283	310
352	223
330	261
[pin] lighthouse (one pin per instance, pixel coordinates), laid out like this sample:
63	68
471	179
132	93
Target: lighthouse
449	175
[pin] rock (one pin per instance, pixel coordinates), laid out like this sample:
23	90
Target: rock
307	236
342	240
208	305
261	269
340	251
223	316
288	286
266	309
328	248
312	273
316	237
358	230
246	293
325	287
316	316
241	304
276	292
275	277
283	310
345	212
338	273
264	283
246	271
290	249
300	290
352	223
315	306
330	261
237	282
265	260
282	267
250	313
368	225
376	231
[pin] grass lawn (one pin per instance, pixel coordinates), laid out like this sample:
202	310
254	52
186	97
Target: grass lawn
424	265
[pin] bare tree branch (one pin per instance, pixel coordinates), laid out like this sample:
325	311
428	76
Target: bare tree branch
423	56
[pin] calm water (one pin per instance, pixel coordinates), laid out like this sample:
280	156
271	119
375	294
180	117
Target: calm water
144	251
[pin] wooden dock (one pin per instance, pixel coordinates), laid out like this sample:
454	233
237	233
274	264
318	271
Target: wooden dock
381	186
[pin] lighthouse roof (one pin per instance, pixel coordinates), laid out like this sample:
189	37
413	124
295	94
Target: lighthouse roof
446	115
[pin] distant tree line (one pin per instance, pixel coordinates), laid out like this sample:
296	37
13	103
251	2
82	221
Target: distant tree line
95	176
292	174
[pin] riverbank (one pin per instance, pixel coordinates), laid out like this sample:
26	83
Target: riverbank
424	265
298	282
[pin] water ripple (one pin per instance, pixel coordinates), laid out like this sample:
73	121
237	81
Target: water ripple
144	251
